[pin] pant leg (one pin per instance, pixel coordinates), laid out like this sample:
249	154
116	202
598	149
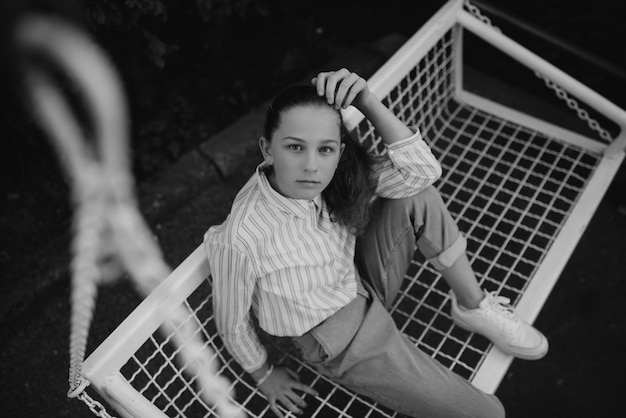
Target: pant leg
381	362
384	365
399	227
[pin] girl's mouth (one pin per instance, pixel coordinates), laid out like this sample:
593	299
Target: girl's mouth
308	183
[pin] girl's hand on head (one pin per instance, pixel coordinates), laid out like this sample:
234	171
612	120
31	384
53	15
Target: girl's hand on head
281	386
342	88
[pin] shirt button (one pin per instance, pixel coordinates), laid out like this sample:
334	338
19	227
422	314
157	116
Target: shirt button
391	152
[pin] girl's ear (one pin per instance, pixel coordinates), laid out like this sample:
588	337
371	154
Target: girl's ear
265	147
343	147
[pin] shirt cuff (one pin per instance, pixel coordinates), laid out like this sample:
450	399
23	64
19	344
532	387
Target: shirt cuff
251	368
405	143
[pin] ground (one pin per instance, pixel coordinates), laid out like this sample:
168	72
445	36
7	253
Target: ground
584	317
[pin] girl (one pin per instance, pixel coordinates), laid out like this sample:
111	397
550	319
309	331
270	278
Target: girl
289	253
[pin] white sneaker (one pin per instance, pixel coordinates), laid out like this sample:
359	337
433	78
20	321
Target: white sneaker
495	319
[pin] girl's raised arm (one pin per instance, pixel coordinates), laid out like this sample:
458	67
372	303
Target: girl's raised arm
343	88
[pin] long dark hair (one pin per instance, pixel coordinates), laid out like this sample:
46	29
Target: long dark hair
350	191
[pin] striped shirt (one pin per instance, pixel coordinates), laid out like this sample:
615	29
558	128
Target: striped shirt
286	261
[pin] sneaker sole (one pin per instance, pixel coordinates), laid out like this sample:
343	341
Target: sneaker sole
505	349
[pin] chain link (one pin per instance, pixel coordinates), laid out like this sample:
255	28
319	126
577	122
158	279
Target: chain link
473	9
583	114
94	406
573	104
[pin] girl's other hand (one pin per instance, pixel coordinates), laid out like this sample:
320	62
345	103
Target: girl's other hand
342	88
280	386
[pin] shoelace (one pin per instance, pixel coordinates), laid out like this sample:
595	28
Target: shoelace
501	313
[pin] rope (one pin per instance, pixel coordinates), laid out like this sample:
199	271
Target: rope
110	235
572	103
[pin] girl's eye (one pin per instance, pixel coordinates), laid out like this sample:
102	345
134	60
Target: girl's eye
327	150
294	147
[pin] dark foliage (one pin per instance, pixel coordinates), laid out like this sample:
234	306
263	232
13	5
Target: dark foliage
191	68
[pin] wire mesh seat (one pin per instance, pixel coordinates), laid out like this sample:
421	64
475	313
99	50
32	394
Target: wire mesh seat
521	190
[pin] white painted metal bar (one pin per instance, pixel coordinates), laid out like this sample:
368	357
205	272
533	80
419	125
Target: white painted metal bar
149	315
405	58
556	43
530	122
533	61
458	63
132	401
495	365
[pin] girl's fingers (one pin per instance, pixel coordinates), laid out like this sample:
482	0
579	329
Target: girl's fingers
330	88
296	399
357	88
332	81
340	88
343	89
306	389
301	386
320	83
287	403
275	409
358	84
293	374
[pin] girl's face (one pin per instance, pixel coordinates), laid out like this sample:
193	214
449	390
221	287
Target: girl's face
304	150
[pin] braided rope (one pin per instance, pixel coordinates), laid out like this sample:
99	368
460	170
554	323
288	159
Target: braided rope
110	235
572	103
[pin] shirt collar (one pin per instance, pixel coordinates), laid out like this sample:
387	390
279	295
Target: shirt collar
297	207
318	204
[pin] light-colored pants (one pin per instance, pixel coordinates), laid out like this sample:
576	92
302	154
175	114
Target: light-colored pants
360	346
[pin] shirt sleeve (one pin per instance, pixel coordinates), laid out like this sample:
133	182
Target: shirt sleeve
407	168
233	286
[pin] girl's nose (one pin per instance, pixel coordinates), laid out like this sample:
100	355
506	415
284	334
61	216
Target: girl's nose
311	163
